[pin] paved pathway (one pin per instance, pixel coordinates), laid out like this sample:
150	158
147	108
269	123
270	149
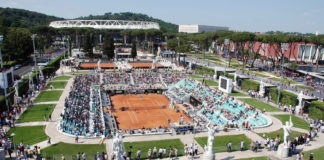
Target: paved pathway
31	124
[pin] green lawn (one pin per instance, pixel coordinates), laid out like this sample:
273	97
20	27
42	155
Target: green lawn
48	96
237	94
62	78
29	134
298	122
195	76
209	82
259	105
280	133
317	153
285	80
70	150
57	85
256	158
220	142
305	87
36	113
146	145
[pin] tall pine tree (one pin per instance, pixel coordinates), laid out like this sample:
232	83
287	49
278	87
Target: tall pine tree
134	51
108	47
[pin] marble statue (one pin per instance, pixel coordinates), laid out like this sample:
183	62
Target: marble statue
287	131
98	64
262	89
208	154
118	147
300	102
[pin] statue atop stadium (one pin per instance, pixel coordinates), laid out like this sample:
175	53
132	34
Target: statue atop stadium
118	147
208	154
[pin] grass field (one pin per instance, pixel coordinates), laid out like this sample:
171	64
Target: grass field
256	158
318	153
70	150
259	105
286	81
220	142
305	87
36	113
195	76
29	134
280	132
144	146
237	94
298	122
57	85
209	82
48	96
62	78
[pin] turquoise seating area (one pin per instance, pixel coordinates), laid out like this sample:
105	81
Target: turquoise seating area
216	106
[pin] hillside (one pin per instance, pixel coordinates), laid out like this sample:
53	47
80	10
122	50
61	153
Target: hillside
11	17
165	26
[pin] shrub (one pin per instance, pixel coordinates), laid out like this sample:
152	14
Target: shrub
248	84
286	98
316	110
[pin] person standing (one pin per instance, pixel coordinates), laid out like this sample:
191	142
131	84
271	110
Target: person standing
195	149
78	156
242	145
160	153
84	156
154	152
229	147
149	154
138	154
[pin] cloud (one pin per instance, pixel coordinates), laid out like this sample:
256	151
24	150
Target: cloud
9	3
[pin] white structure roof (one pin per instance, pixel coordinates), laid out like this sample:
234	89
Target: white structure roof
105	24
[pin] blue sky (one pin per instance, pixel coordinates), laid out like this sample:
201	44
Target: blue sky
243	15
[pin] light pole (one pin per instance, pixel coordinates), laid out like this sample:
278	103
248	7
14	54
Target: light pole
13	142
3	76
279	92
33	38
227	42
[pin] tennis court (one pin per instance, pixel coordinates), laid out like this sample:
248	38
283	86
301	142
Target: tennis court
135	111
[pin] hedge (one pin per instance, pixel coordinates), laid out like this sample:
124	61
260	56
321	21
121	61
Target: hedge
204	70
248	85
286	98
316	110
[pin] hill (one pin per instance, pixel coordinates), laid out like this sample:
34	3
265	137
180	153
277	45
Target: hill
11	17
164	26
20	18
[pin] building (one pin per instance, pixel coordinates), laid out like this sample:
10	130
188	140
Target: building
195	28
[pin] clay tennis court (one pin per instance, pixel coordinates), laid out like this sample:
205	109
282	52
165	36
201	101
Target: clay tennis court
144	65
94	65
144	110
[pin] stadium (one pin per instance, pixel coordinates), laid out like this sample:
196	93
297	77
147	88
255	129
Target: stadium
149	101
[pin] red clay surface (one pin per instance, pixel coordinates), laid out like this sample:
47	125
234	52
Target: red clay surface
147	112
94	65
144	65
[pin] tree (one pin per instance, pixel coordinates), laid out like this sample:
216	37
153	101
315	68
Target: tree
108	47
18	44
293	66
88	46
134	52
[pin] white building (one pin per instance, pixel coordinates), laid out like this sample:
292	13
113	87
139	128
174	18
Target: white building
195	28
